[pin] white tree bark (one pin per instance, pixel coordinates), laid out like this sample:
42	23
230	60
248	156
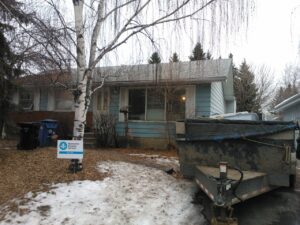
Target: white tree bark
81	90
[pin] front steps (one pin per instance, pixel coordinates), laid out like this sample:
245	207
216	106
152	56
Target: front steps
89	140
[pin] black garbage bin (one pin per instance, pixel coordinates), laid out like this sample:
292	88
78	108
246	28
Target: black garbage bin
47	129
29	134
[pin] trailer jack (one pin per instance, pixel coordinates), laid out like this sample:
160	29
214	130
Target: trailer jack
223	216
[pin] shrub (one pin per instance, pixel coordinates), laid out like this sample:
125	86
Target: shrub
105	130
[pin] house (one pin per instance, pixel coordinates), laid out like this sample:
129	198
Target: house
289	109
156	95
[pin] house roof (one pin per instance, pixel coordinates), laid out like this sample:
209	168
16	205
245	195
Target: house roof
184	72
189	72
44	79
295	99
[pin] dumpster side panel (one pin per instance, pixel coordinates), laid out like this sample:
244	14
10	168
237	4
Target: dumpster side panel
243	154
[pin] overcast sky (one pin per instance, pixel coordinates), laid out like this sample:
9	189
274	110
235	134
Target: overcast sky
273	35
273	38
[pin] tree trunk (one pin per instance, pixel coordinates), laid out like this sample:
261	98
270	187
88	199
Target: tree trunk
80	92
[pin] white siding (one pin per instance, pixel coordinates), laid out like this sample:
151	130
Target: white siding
123	101
217	99
190	102
292	113
230	106
15	97
51	100
36	99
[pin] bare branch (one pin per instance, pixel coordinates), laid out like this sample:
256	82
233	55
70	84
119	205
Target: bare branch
100	86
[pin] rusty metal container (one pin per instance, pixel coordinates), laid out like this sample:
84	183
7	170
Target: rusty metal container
258	146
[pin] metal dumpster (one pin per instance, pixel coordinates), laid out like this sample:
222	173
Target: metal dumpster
29	133
232	161
47	129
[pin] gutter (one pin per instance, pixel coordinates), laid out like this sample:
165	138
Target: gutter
287	103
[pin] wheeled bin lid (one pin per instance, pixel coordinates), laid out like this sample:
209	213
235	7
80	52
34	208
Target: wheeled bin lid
49	123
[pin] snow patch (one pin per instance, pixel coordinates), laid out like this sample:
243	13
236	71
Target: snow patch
160	160
133	194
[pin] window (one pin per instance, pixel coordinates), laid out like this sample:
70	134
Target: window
43	100
63	100
176	104
136	102
103	100
156	104
26	100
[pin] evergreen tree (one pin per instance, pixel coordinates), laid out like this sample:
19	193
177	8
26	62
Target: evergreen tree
198	53
245	90
9	9
283	93
154	59
174	58
234	68
208	55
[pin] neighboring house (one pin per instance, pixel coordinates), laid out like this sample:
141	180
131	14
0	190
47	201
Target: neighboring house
289	109
156	95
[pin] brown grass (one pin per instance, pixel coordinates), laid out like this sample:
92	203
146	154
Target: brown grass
34	170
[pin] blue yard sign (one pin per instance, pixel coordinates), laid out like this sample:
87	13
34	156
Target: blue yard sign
69	149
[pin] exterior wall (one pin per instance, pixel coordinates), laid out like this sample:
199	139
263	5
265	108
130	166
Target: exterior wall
43	101
114	107
66	118
230	106
217	105
16	97
291	113
203	100
36	99
157	135
149	134
147	129
51	100
190	111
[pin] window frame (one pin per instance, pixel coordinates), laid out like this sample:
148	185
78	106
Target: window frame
31	94
101	93
56	98
146	102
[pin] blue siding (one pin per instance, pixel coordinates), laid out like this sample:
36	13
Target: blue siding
147	129
217	99
114	102
203	100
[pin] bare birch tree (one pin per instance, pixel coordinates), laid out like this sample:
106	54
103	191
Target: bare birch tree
140	15
99	27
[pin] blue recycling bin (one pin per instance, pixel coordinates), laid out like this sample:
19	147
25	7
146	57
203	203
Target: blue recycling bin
47	129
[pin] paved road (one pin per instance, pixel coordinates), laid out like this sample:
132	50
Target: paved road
279	207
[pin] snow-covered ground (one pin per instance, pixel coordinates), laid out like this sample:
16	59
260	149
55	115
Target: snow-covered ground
132	194
171	162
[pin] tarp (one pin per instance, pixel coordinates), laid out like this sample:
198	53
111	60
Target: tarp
211	129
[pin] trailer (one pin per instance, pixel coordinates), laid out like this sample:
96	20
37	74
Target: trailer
232	161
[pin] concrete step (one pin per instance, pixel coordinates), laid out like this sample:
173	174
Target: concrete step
89	140
89	134
89	145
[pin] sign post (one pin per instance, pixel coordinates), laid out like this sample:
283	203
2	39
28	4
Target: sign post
71	149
